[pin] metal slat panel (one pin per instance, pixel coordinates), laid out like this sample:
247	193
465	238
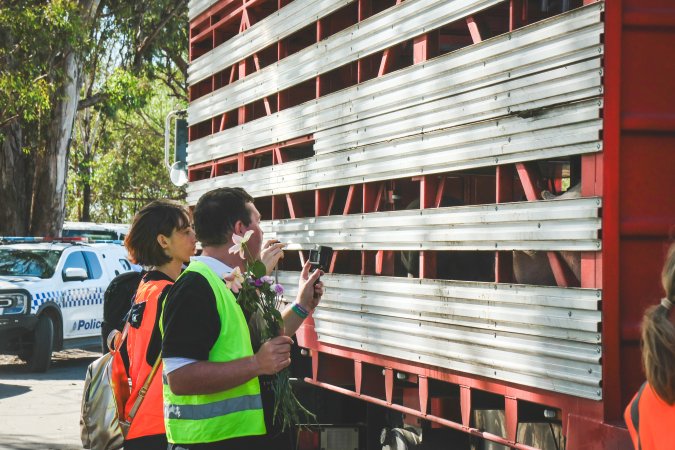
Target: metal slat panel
440	78
196	7
543	337
528	45
474	106
309	118
546	225
286	21
565	130
390	27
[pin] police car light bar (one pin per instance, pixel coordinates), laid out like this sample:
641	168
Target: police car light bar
32	239
15	239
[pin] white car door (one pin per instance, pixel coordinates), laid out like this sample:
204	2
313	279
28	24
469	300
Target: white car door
82	299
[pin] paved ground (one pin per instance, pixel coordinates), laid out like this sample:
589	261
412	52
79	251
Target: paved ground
42	411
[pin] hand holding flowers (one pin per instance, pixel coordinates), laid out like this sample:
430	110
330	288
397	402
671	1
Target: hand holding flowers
259	294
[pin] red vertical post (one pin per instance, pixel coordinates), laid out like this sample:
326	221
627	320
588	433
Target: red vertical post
511	417
277	206
389	384
242	116
370	203
423	386
516	12
363	66
465	405
607	172
425	47
282	52
358	376
504	260
321	24
428	191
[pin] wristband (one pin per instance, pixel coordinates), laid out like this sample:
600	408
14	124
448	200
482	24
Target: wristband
299	310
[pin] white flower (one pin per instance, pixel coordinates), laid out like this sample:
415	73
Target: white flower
239	243
234	280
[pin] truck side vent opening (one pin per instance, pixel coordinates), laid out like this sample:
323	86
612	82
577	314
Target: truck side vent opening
297	41
343	18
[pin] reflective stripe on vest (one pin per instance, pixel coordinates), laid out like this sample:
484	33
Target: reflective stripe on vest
237	412
211	410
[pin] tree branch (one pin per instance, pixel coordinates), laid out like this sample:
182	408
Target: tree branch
92	100
148	40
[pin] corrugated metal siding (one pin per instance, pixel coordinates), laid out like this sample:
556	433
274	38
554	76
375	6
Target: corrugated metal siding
546	337
544	225
392	26
555	45
286	21
559	131
196	7
529	95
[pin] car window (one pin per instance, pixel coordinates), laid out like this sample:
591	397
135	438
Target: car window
94	266
28	262
75	259
125	264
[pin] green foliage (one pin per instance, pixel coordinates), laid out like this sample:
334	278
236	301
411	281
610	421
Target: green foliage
124	91
125	52
127	169
31	34
258	269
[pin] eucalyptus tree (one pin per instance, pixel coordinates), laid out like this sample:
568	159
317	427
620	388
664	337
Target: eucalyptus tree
48	52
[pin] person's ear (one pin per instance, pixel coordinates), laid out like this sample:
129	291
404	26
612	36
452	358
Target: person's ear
163	241
239	228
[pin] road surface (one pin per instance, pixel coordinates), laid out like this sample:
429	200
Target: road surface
42	411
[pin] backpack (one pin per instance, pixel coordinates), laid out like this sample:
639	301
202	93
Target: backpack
103	425
106	391
117	299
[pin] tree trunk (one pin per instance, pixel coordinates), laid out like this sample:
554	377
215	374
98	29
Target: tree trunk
49	195
86	199
51	168
15	183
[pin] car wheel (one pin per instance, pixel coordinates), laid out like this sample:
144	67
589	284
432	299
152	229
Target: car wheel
43	343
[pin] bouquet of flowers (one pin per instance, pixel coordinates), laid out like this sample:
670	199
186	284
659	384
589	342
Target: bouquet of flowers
259	294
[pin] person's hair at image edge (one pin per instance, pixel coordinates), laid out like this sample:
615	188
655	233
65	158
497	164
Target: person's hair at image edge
216	213
658	337
157	217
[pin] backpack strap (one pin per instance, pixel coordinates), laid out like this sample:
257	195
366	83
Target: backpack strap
144	390
635	413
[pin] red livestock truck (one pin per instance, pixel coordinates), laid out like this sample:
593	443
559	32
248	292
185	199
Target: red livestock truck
495	178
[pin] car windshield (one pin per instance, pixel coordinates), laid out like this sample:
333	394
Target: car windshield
28	262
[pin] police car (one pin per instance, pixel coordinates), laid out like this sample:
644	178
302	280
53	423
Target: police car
51	294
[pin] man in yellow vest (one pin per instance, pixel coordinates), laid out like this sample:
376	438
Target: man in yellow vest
212	394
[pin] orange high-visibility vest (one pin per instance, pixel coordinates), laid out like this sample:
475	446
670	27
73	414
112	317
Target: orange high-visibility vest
650	421
149	419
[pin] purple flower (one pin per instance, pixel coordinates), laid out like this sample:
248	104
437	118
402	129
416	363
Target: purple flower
267	279
258	282
279	289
